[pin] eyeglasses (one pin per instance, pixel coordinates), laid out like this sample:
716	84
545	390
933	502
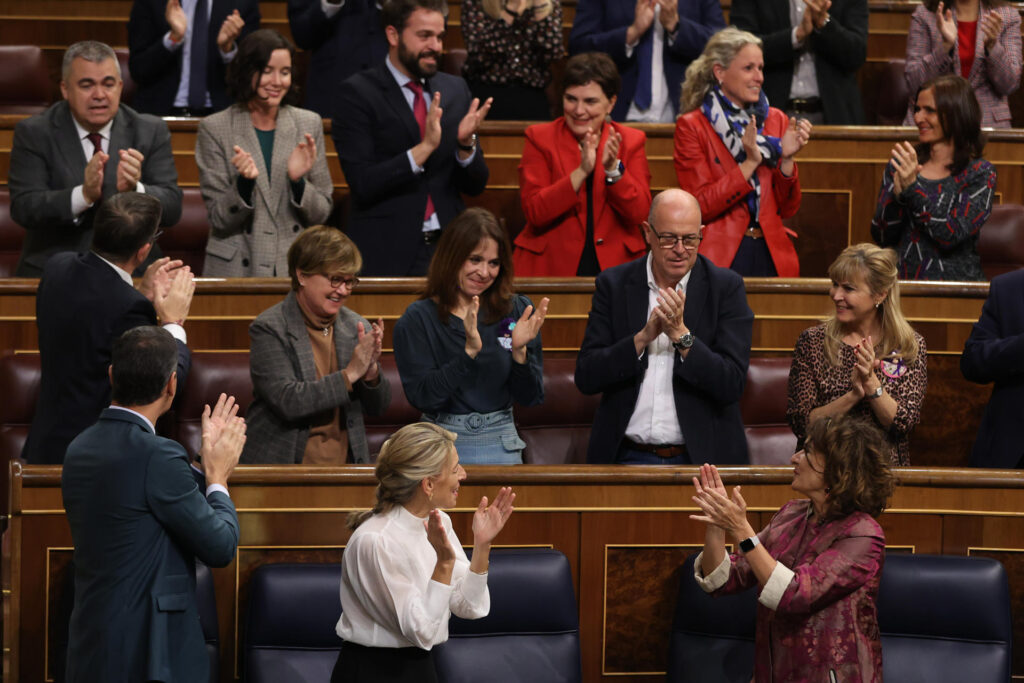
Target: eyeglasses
667	240
349	281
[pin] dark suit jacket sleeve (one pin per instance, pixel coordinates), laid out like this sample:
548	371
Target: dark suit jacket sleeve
159	176
33	205
843	41
148	59
206	526
698	21
590	32
778	40
310	27
992	352
276	381
370	180
718	369
604	359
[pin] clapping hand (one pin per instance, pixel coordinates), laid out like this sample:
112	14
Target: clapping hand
796	136
610	154
750	142
905	167
222	441
92	184
438	537
301	159
865	364
527	328
469	322
229	31
244	164
488	520
947	26
156	281
129	170
588	152
470	123
176	19
991	27
728	513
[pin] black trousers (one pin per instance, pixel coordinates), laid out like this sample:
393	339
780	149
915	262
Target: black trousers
360	664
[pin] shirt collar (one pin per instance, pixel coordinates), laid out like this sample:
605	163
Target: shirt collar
653	286
400	77
144	418
121	272
82	132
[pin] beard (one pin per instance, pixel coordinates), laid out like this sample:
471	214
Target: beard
412	61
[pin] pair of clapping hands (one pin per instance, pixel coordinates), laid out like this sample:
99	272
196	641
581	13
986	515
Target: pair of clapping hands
169	285
300	161
364	364
488	520
525	330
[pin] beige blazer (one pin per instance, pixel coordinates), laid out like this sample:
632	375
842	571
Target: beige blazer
253	240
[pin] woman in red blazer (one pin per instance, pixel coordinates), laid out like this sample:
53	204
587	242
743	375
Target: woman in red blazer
735	154
584	181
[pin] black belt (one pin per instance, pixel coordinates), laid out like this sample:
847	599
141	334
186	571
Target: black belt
662	451
431	236
804	105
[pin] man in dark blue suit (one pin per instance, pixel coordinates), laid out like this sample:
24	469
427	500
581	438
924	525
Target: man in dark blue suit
344	36
139	521
995	353
406	139
668	344
84	302
652	43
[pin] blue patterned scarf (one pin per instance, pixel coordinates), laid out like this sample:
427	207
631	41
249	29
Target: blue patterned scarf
728	120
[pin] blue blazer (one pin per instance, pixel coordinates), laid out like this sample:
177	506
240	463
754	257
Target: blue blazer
707	386
995	353
373	129
600	26
139	521
82	306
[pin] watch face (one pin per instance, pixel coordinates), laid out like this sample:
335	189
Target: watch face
684	342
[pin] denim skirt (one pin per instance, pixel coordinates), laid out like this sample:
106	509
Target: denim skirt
484	438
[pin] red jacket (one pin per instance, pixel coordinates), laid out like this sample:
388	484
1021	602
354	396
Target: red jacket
556	217
707	170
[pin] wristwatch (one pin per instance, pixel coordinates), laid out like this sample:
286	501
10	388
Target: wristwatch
470	147
684	342
612	177
877	393
748	544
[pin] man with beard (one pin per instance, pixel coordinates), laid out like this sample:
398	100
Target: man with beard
406	139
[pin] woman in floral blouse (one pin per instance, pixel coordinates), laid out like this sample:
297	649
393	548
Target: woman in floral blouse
937	195
817	564
511	45
471	346
866	359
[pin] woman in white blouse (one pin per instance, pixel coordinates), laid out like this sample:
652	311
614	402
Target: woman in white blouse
404	572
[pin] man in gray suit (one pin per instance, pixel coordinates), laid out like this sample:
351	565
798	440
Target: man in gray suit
66	160
139	521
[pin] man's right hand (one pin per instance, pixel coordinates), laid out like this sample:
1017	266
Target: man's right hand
431	132
176	19
92	184
172	306
650	332
223	439
158	277
642	20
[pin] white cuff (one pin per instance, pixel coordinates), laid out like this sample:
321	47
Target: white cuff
466	162
715	579
170	45
436	600
796	43
416	168
216	487
776	586
78	202
177	331
330	8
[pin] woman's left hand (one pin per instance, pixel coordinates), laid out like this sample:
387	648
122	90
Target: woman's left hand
301	159
488	520
528	326
729	513
610	155
795	137
991	27
377	331
866	364
905	166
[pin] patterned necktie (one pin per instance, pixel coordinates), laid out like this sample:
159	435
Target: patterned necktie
419	110
197	49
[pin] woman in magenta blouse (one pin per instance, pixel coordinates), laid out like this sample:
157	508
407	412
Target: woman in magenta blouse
818	563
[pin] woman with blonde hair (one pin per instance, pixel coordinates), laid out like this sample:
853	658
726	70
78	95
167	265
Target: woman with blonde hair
734	153
865	359
510	46
404	572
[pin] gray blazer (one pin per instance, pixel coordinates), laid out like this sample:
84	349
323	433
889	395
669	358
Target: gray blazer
47	163
287	391
253	241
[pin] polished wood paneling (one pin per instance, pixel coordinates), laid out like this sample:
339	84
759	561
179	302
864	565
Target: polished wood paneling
624	530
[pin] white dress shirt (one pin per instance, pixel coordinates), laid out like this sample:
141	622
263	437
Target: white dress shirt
654	420
387	596
78	201
805	75
181	96
661	110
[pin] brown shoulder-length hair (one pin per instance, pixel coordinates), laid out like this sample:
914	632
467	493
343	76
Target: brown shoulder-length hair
856	459
960	116
253	55
458	240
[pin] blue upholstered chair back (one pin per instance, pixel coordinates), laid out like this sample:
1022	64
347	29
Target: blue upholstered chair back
943	619
532	632
289	636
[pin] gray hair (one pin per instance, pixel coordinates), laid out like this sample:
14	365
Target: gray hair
721	49
91	51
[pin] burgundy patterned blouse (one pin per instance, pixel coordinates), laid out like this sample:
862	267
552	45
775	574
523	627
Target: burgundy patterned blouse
826	618
814	382
519	53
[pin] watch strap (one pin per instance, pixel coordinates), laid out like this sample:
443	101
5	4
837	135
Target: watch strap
748	544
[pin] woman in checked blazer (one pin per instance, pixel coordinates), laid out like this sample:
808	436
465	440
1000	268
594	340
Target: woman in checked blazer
262	168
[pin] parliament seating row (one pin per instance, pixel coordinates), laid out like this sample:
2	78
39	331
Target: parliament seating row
556	432
943	619
531	633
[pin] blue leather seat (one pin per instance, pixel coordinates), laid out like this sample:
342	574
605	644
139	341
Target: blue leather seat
532	632
289	635
943	619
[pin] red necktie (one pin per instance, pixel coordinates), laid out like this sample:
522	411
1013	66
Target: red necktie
419	110
97	143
